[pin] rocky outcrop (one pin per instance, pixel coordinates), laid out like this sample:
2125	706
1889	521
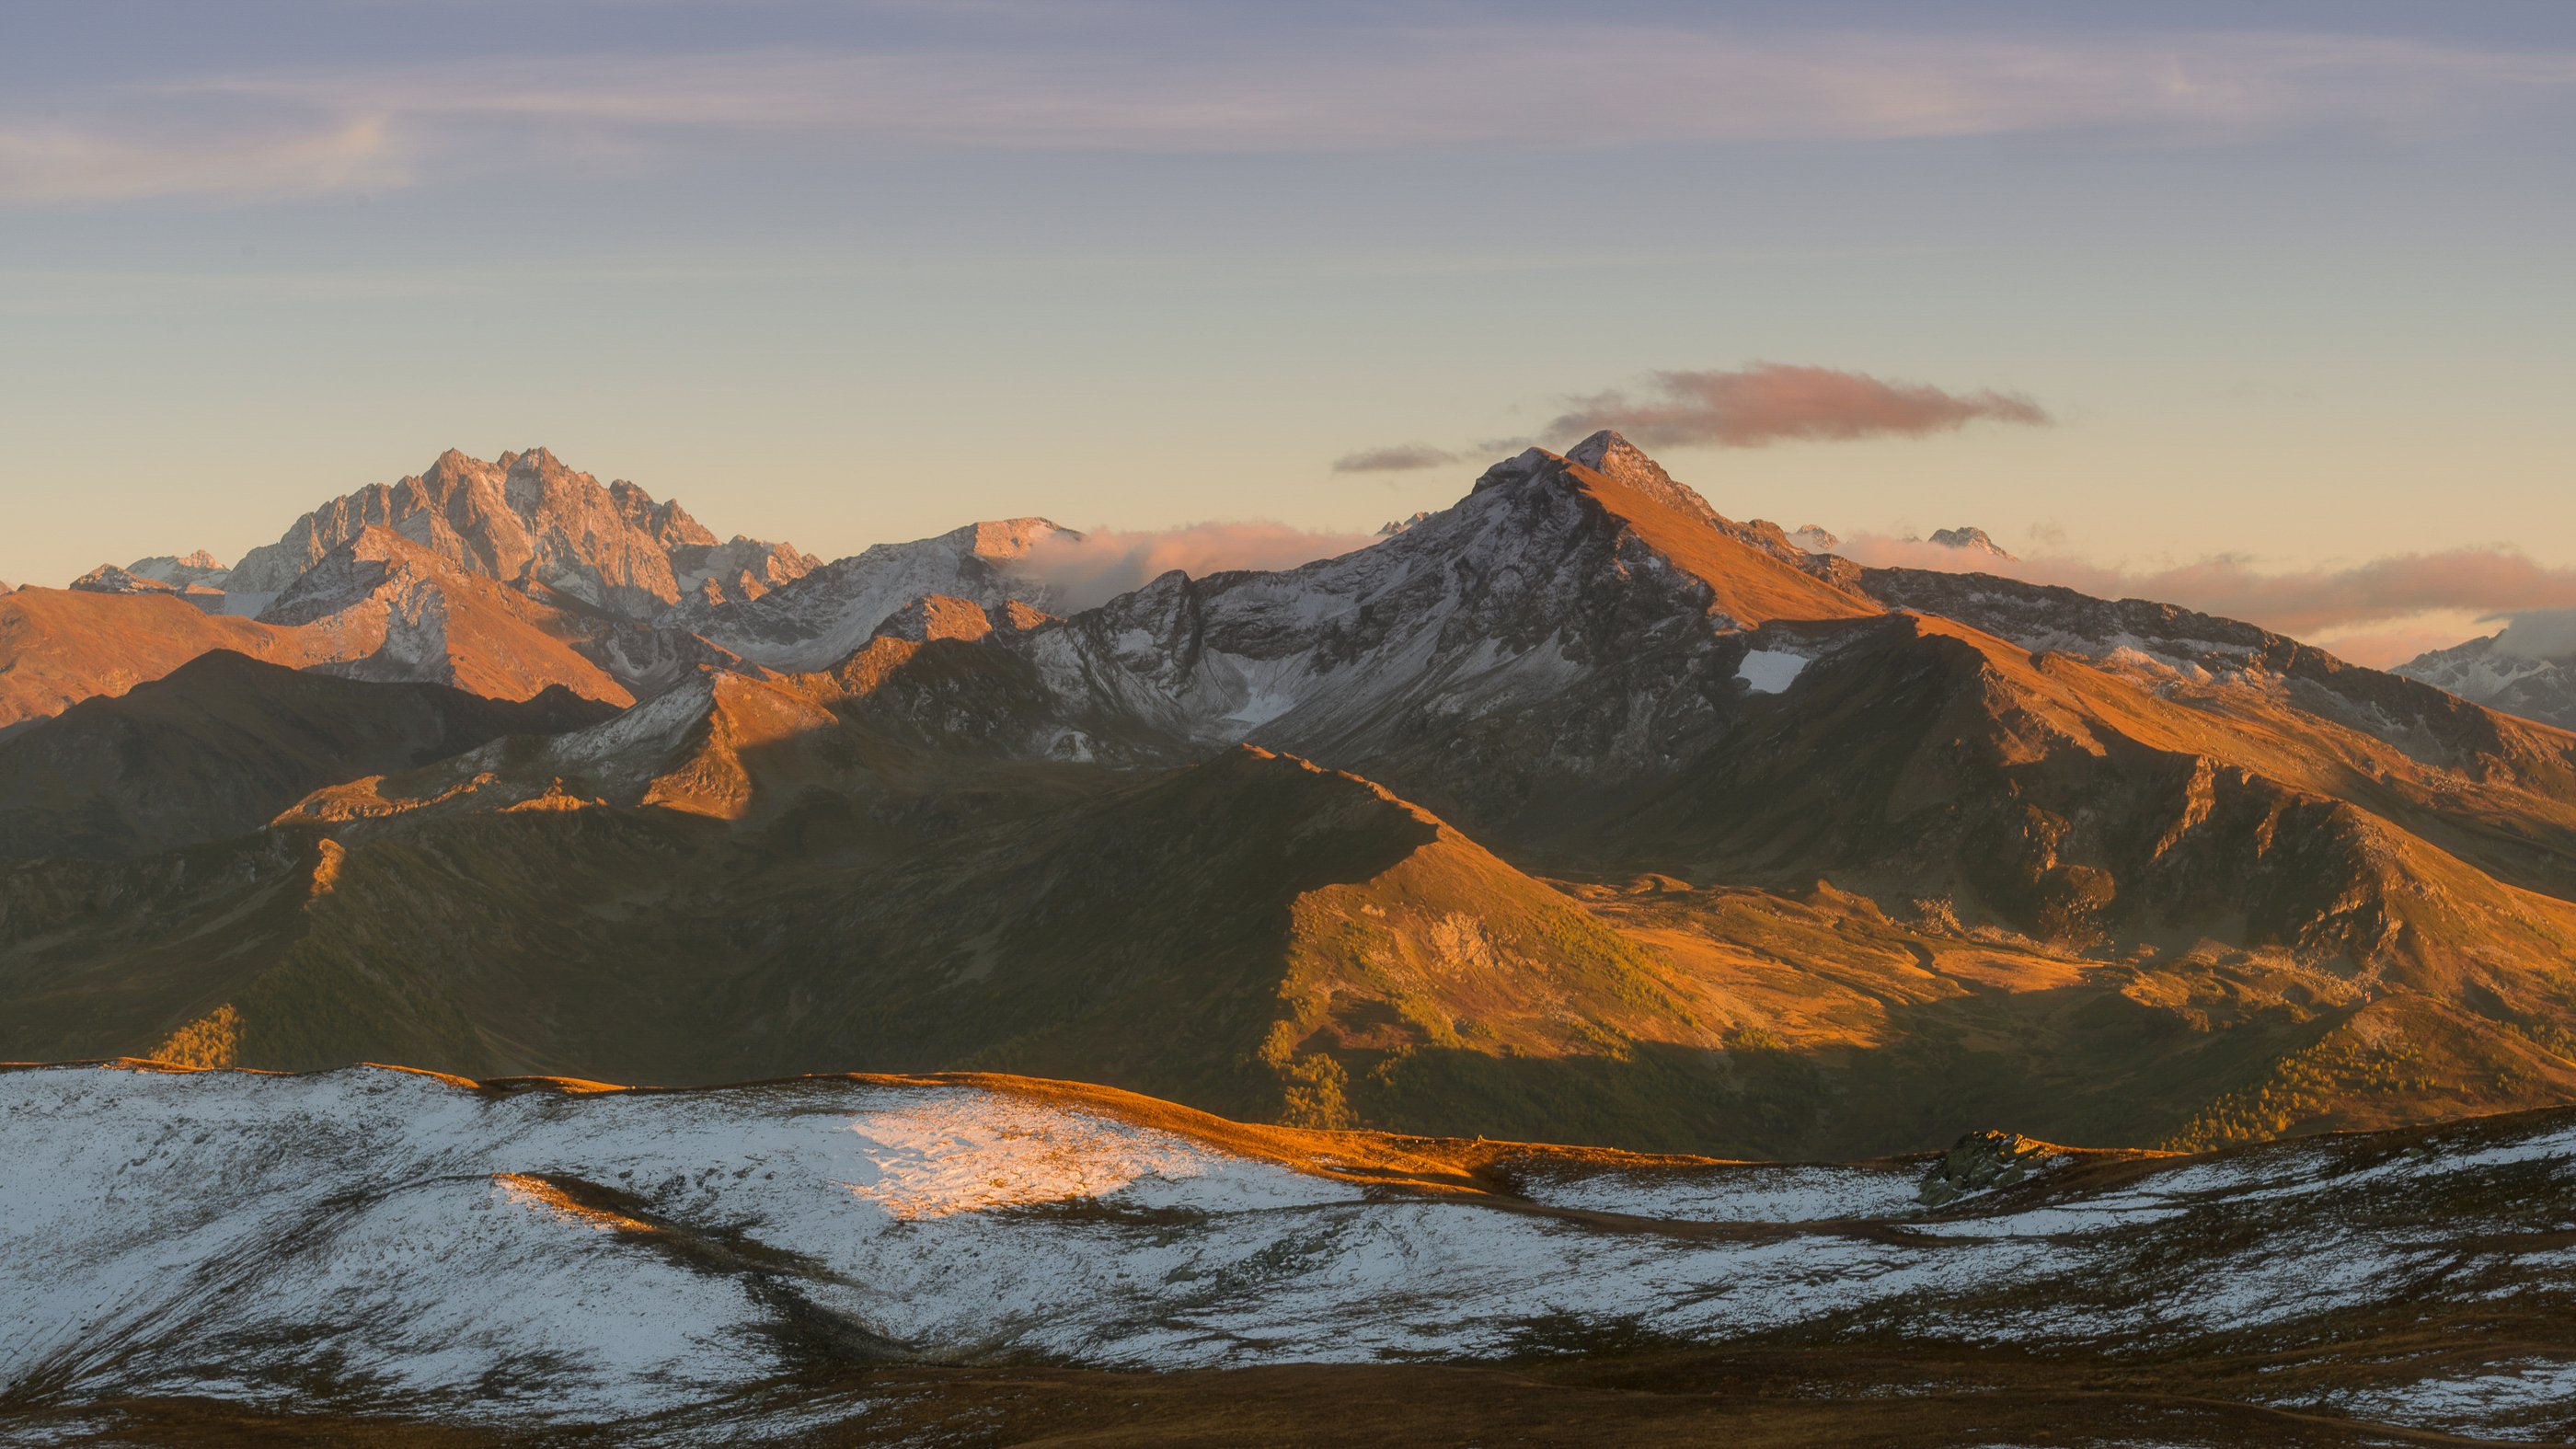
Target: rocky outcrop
1979	1162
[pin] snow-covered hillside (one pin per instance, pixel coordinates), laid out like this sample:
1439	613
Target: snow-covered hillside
385	1241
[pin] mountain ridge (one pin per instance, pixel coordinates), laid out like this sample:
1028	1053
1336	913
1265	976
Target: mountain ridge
1787	846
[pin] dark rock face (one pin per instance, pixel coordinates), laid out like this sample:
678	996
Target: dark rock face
1980	1161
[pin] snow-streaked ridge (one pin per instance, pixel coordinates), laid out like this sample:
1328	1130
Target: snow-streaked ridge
519	1255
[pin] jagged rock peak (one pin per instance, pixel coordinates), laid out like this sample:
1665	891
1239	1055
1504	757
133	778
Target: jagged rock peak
1394	526
528	521
109	579
1009	537
1610	456
1605	450
534	460
1973	540
177	568
1621	461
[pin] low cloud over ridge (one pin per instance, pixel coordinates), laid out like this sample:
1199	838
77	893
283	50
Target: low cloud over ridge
1105	562
1770	402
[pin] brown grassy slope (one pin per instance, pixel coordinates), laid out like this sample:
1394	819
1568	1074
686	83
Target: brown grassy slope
1862	1032
1206	935
1923	759
223	743
1256	936
112	957
61	646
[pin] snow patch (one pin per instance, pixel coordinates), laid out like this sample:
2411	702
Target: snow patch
1771	671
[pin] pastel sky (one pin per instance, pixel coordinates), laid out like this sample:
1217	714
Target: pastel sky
2202	294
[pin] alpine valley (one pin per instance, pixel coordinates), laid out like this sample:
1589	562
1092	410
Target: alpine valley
1576	813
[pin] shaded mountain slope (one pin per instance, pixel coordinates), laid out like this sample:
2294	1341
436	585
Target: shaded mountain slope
897	713
1255	934
1226	915
223	743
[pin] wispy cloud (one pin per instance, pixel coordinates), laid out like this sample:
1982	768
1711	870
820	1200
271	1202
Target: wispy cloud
2490	583
1769	402
324	154
1106	562
1305	89
1402	458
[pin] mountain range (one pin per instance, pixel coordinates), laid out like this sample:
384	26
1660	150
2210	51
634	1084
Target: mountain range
1576	811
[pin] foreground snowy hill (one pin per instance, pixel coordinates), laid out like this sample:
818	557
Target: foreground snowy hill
862	1254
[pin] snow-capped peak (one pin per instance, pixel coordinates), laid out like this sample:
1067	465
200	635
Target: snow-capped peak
1970	540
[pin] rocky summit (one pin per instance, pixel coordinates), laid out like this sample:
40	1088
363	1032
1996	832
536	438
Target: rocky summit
527	521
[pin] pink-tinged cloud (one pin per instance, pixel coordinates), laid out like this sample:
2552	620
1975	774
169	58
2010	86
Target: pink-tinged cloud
2396	644
1106	562
2488	582
1770	402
